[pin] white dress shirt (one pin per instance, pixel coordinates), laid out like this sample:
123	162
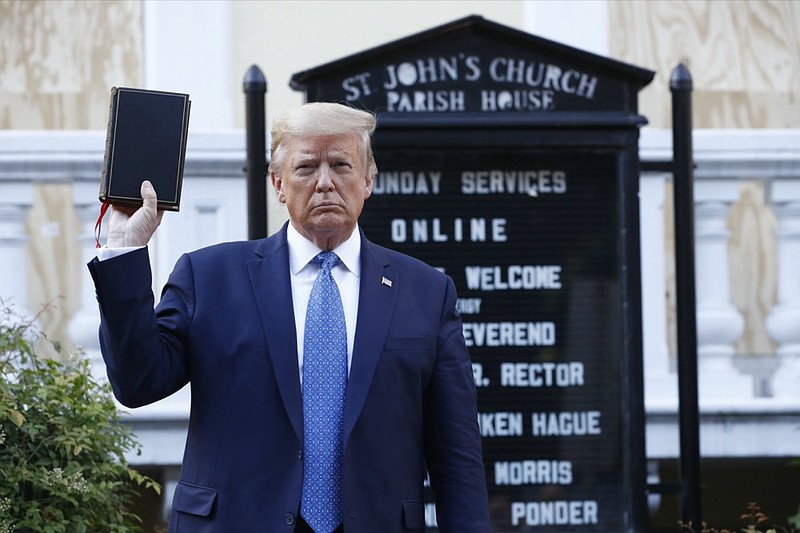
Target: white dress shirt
104	252
303	271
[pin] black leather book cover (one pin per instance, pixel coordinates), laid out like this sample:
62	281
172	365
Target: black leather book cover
146	140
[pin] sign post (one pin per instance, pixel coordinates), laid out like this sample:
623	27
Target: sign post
511	163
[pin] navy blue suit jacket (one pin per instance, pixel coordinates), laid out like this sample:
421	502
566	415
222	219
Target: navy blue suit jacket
225	324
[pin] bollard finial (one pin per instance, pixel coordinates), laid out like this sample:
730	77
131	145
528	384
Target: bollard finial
681	79
254	80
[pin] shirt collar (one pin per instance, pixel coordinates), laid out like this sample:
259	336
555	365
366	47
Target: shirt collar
302	251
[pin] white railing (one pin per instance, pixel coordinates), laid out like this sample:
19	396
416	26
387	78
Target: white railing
750	404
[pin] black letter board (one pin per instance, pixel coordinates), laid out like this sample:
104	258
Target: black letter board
511	162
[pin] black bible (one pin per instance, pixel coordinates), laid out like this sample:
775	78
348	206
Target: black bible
145	140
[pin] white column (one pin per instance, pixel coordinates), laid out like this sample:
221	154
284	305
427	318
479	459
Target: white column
660	379
588	27
83	328
783	321
187	49
14	264
719	323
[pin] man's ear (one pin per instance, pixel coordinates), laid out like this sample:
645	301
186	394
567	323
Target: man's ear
277	184
368	186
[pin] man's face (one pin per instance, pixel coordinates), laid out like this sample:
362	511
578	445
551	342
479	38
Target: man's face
324	182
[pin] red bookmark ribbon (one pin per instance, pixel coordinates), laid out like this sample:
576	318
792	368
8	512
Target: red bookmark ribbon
103	208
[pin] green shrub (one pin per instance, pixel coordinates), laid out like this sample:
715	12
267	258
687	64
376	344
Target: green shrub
62	443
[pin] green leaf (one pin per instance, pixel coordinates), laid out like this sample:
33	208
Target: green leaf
17	417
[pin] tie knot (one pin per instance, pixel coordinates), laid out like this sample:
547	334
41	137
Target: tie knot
326	260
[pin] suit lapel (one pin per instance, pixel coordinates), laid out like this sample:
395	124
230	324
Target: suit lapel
269	276
376	304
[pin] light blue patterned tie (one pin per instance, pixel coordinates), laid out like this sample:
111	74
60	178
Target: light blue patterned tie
324	381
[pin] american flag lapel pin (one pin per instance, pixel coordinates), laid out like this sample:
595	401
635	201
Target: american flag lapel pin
386	281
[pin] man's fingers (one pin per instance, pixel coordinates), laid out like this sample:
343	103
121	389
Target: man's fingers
149	195
151	203
134	227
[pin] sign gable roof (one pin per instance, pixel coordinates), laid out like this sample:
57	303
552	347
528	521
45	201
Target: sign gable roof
475	65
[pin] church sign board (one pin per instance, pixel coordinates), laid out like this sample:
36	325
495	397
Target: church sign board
511	163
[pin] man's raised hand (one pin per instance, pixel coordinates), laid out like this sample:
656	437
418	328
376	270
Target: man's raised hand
129	226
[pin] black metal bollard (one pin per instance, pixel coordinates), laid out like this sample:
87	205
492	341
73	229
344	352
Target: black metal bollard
255	88
683	174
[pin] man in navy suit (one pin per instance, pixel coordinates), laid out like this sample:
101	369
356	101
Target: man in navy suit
231	322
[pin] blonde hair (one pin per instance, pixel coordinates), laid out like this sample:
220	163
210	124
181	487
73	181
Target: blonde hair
322	118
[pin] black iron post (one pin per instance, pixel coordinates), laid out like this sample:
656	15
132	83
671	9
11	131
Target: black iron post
255	88
683	172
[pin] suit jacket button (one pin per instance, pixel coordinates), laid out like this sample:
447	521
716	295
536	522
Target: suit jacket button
300	454
288	519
